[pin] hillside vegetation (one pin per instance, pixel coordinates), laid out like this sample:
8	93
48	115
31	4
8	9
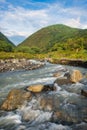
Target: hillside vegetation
5	44
56	41
55	38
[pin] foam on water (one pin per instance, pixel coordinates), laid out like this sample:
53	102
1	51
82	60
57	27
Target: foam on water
49	126
58	88
10	119
54	126
43	117
31	116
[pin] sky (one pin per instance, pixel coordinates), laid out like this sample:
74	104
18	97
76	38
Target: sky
21	18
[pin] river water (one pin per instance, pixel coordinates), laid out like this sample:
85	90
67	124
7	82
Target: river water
32	117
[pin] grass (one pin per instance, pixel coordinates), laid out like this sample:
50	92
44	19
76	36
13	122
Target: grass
69	55
13	55
54	55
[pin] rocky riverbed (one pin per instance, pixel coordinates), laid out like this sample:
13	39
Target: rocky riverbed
26	64
19	64
53	97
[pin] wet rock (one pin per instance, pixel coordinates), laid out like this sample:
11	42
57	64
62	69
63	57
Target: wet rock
49	102
46	104
67	75
81	126
76	76
68	111
69	78
35	88
84	92
72	110
41	88
57	116
49	87
15	99
63	81
64	117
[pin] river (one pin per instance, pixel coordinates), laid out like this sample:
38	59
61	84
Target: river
72	104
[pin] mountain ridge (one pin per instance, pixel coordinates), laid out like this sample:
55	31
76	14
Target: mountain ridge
50	35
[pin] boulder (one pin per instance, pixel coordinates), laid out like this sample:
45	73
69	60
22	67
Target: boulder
49	87
49	102
63	81
35	88
69	78
64	117
76	76
41	88
46	103
15	99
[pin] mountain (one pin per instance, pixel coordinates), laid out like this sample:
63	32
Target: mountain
5	43
47	38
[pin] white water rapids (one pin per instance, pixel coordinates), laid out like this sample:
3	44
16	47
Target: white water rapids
31	116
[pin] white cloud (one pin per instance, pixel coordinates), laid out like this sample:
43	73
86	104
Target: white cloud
24	22
2	1
19	21
73	22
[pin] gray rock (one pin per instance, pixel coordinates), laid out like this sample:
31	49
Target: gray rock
63	81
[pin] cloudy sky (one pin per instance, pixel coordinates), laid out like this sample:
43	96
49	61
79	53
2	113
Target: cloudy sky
20	18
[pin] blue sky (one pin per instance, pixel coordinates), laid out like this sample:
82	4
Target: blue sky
21	18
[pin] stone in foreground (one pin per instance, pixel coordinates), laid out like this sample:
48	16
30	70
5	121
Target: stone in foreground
41	88
35	88
76	76
63	81
15	99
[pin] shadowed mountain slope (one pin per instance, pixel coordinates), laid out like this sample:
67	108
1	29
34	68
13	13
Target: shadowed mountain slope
5	43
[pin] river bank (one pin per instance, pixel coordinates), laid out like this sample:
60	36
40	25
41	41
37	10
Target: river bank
27	64
71	62
19	64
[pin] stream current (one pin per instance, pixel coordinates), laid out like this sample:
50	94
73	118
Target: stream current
31	117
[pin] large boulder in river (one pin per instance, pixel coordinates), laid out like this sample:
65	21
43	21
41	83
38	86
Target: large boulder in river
49	87
15	99
76	76
63	81
35	88
41	88
69	78
49	102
